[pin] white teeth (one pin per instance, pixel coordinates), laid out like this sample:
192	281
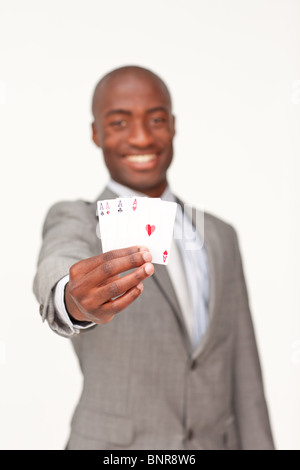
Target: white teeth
141	158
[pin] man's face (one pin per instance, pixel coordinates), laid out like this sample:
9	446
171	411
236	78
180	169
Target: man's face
134	127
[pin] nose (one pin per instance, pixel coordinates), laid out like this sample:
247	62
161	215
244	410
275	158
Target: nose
139	135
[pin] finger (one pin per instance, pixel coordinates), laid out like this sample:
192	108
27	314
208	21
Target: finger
113	307
118	287
108	269
89	264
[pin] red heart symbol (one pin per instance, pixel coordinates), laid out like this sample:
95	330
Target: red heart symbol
150	229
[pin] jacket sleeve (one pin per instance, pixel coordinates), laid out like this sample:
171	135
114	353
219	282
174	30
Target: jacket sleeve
249	398
66	240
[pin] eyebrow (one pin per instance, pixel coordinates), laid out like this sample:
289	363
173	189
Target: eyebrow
157	108
128	113
117	111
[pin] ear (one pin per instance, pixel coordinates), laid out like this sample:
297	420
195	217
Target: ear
95	135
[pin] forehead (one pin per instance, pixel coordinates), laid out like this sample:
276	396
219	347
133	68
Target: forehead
131	92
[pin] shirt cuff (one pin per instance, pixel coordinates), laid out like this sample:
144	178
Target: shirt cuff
59	303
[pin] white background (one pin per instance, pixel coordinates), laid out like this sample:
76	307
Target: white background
233	68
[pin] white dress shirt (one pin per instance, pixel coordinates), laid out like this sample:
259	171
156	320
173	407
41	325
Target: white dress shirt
187	269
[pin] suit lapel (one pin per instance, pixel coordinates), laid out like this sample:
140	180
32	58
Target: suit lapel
163	281
215	266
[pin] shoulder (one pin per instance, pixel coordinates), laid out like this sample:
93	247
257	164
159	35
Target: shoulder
222	237
222	230
70	208
71	212
219	225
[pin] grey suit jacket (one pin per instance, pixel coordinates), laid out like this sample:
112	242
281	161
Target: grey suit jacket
144	387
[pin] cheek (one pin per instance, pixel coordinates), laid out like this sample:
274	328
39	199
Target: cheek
165	137
109	143
111	140
166	143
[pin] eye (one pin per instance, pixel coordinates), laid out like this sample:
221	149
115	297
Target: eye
156	120
118	123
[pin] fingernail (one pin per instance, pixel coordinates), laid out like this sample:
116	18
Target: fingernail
149	269
143	248
147	256
140	286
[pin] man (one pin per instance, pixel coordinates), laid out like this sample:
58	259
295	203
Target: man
164	367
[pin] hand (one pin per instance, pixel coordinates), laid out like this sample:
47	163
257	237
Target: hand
94	283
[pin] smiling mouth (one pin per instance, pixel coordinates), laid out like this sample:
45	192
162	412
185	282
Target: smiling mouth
141	158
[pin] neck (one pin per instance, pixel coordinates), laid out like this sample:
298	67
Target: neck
155	192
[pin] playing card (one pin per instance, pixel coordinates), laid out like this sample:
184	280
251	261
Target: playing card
144	211
160	246
107	211
152	226
124	210
138	221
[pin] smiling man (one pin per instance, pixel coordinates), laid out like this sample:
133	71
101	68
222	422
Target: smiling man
134	127
168	355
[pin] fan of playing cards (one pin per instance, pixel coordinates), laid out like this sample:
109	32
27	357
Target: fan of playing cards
143	221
